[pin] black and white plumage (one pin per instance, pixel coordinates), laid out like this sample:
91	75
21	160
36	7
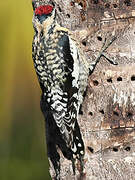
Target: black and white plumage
62	72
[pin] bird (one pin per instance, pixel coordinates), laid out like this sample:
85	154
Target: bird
62	70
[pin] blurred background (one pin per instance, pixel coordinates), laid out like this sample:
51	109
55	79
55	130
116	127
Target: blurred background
22	140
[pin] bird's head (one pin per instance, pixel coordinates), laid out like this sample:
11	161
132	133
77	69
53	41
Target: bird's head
44	14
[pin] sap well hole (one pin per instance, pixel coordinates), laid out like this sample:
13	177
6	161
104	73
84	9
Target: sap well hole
68	15
59	9
102	111
129	114
99	38
116	113
115	5
84	43
91	113
107	5
133	78
95	1
91	149
115	149
127	148
127	2
119	79
109	80
95	83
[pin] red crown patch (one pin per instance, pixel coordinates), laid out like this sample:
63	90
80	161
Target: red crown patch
43	10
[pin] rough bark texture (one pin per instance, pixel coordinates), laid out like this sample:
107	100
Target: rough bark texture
107	120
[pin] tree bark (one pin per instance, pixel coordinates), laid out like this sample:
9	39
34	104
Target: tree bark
107	119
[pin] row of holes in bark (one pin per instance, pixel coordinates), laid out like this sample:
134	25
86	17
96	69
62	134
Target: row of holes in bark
107	5
115	149
99	38
85	42
109	80
72	4
129	114
115	113
60	10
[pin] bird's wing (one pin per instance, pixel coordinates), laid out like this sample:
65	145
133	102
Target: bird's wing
65	105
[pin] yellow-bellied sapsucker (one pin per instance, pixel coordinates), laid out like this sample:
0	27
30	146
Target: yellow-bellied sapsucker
62	72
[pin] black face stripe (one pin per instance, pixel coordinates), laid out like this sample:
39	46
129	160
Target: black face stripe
42	17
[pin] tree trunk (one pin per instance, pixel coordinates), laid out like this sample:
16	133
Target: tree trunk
107	119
